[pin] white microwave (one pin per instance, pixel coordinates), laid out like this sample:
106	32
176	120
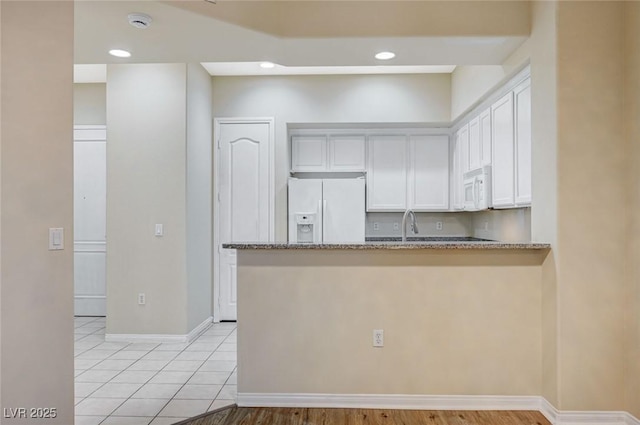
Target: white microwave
477	189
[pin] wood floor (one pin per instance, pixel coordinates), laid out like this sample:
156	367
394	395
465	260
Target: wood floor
234	415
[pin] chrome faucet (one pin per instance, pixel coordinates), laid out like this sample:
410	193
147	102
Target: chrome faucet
413	224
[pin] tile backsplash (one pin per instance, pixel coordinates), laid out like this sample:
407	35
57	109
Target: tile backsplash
389	224
511	225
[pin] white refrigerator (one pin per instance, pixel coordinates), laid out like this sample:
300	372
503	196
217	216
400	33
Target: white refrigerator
326	210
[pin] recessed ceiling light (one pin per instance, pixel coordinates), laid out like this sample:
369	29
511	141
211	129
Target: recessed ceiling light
385	56
267	65
119	53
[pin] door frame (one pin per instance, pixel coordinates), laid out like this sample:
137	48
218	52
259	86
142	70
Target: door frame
217	122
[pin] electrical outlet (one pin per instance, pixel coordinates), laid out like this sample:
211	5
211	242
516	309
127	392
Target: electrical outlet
396	226
486	225
438	225
378	338
142	299
376	226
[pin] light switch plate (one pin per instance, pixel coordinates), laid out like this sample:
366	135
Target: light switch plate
159	230
56	238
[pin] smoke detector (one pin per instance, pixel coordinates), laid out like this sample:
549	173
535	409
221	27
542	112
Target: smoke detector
139	20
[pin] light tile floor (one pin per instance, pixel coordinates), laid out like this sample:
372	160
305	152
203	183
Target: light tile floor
158	384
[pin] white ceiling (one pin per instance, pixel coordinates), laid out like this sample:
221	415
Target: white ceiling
180	33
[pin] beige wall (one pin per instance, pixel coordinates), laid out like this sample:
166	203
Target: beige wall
329	99
90	103
632	127
591	257
199	195
36	193
158	172
146	181
469	83
590	341
348	19
455	323
541	50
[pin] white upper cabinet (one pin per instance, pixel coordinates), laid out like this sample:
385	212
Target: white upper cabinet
327	153
475	144
408	170
503	176
346	153
522	105
459	157
480	140
387	173
309	153
511	133
485	136
463	140
428	179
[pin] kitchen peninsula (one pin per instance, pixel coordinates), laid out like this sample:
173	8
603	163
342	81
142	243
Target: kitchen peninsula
458	319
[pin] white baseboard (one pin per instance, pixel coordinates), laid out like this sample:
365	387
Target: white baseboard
631	420
161	338
567	417
390	401
436	402
198	330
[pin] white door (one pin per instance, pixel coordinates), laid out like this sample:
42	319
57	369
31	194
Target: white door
245	206
90	206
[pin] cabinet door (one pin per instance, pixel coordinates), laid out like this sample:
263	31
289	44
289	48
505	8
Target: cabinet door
457	167
429	173
502	178
475	151
346	153
522	105
485	137
387	173
308	153
463	140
